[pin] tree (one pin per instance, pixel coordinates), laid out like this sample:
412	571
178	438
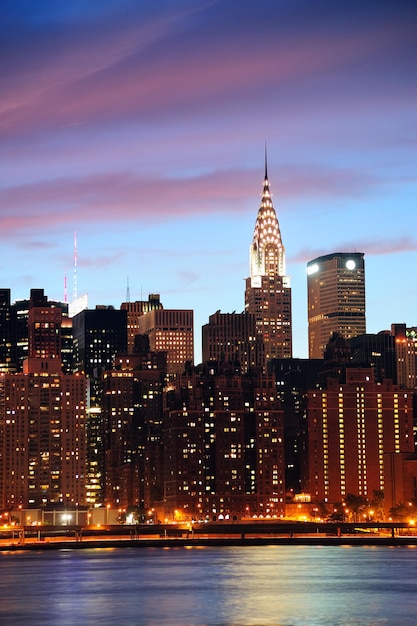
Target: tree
377	504
355	506
404	511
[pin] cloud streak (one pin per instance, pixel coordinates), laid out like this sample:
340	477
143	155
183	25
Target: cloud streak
368	247
97	199
143	69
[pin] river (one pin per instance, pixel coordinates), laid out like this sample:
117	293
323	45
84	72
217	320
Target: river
236	586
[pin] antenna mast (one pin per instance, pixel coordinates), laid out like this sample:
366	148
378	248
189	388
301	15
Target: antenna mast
128	291
74	288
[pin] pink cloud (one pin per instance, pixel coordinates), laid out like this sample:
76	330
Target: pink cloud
369	248
109	197
144	69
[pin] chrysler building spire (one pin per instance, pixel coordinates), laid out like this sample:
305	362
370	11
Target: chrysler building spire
267	252
268	291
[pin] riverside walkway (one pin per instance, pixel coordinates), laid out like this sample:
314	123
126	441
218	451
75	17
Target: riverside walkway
204	535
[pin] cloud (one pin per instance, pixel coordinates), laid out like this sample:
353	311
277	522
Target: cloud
110	198
369	248
188	277
179	63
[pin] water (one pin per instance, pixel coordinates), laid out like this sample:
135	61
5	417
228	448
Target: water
237	586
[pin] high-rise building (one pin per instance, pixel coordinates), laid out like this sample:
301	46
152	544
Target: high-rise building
268	291
336	299
134	311
7	333
223	446
352	425
44	329
170	331
406	354
99	335
132	406
233	338
377	351
21	334
293	378
42	421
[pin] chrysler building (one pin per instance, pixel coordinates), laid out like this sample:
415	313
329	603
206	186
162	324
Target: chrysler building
268	291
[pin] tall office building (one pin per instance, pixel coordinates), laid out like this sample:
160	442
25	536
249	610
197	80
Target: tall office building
232	338
7	333
336	299
99	335
377	351
132	406
170	331
42	421
352	425
223	446
293	378
268	291
406	354
20	329
134	311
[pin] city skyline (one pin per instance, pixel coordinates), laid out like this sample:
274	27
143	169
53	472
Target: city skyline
142	129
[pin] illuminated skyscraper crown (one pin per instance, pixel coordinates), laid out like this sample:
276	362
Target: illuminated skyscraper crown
267	253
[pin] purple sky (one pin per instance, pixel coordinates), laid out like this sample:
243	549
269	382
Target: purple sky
142	125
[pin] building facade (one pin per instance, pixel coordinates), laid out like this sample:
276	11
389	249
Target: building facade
406	354
223	446
42	422
352	425
99	335
7	333
170	331
135	310
132	411
233	338
14	330
377	351
336	299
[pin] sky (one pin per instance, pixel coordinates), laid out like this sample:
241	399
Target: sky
141	127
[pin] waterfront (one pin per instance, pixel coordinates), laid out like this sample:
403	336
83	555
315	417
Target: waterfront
227	586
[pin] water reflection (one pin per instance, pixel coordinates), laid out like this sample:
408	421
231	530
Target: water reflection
247	586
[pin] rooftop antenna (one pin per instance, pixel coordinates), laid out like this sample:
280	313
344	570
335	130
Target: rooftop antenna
74	288
266	163
65	289
128	291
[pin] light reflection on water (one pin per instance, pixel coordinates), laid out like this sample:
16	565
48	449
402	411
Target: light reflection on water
239	586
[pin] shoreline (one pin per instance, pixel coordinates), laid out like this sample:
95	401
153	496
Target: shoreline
198	542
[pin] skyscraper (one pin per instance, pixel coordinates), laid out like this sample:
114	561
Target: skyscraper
223	445
42	420
351	426
406	354
132	406
336	299
232	338
170	331
7	333
268	291
134	311
99	335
